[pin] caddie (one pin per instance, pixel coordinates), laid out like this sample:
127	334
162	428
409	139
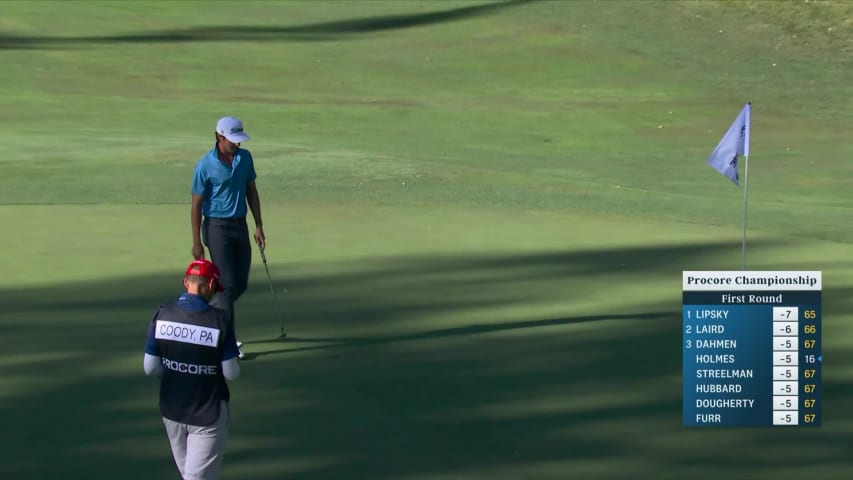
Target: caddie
192	348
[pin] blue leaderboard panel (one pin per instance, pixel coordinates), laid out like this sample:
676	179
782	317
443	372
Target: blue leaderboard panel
751	348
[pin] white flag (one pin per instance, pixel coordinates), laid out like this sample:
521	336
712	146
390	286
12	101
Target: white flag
733	144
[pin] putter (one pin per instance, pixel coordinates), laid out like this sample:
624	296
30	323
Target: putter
272	291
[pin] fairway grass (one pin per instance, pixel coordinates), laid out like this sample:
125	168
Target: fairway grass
477	217
529	342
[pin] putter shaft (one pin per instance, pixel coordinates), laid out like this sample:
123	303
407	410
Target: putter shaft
272	291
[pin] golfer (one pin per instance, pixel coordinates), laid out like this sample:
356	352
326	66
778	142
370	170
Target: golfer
192	348
223	185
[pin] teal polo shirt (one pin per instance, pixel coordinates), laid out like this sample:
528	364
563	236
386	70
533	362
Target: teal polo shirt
223	188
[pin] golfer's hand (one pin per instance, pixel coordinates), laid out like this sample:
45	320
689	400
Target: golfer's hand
198	251
260	239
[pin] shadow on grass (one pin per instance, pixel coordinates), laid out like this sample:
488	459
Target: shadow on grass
343	342
415	367
336	30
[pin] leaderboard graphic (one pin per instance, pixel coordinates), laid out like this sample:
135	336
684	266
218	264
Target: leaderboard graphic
751	343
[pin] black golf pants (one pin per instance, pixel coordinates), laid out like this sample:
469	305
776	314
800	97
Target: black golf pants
227	239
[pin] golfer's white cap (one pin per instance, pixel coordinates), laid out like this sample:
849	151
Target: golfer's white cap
232	129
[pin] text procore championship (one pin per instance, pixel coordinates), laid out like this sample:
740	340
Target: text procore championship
745	280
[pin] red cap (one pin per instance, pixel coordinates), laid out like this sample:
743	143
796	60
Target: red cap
205	268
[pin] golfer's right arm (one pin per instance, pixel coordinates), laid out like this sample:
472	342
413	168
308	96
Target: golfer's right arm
197	191
195	222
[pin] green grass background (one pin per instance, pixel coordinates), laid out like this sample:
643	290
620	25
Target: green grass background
477	213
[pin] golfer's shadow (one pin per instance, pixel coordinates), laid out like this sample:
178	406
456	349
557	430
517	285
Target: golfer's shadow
281	339
325	343
288	338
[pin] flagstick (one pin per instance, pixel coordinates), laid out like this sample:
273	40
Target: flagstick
745	196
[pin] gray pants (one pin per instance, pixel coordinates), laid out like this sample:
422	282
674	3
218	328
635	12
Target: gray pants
227	239
198	451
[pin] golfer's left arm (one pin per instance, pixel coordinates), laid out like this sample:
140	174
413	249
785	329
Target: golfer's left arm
254	201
